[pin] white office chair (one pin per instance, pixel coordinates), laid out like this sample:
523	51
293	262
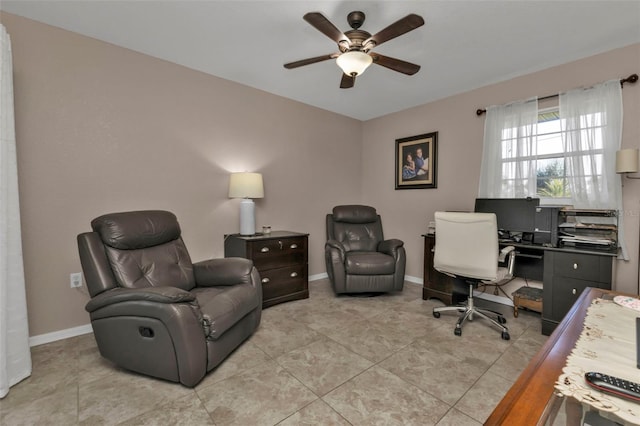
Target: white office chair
467	248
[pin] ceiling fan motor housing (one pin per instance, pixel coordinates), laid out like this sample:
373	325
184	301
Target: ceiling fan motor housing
357	38
355	19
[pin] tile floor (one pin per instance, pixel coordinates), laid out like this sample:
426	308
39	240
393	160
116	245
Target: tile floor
325	360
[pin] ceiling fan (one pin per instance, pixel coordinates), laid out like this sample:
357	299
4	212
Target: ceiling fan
355	45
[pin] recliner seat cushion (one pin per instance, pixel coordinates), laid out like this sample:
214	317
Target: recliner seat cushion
369	263
225	306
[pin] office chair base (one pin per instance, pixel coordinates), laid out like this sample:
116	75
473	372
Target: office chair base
468	311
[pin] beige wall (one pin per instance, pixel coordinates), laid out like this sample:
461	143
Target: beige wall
406	213
100	128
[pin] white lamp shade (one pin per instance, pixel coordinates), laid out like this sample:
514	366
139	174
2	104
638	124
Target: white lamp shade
627	160
246	185
354	62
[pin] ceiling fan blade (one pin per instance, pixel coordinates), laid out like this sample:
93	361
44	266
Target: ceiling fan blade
322	24
402	26
347	81
310	61
395	64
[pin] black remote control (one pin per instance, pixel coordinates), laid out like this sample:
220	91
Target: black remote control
614	385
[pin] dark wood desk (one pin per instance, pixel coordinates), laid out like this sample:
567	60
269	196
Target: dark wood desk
529	401
565	273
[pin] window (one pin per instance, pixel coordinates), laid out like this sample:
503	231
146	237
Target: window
547	152
564	156
551	178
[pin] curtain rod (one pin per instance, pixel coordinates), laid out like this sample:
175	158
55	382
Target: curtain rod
631	79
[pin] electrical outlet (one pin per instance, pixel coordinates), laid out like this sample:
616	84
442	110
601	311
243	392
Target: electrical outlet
75	279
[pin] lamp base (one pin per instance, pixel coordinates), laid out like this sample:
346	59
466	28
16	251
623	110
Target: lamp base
247	217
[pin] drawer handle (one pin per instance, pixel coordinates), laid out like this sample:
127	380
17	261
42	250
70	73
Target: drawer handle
574	291
264	249
294	246
293	274
575	266
265	280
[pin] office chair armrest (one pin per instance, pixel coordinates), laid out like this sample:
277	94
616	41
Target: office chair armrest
505	252
508	254
390	247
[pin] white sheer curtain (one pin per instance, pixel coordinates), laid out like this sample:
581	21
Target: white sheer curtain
509	151
591	122
15	356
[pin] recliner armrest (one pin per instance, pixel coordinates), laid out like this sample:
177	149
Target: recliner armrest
336	245
390	247
165	295
227	271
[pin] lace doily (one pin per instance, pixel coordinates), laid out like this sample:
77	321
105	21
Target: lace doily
607	344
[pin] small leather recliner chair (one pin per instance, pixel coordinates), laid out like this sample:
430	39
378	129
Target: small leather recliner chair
358	258
152	310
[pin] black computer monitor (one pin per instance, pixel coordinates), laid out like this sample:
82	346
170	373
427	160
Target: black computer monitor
514	215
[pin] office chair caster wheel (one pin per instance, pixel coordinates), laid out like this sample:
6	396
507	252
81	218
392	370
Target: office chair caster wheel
505	335
501	319
457	332
436	314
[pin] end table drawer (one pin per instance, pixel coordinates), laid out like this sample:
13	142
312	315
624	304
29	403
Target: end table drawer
277	253
283	281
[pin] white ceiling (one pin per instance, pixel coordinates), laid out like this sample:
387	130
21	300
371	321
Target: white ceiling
463	45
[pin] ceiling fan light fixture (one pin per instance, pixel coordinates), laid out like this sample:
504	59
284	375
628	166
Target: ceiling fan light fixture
354	63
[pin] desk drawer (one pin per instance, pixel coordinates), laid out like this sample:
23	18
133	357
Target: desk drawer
577	265
565	293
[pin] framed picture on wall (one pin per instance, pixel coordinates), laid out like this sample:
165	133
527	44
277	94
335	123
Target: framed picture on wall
416	161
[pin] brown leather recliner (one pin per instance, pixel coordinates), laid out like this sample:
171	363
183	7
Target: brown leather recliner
358	258
155	312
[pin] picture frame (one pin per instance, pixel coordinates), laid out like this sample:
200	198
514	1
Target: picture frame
417	161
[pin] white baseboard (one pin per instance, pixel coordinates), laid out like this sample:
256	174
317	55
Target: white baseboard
414	280
41	339
317	277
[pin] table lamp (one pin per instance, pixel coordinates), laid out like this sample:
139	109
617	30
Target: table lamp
246	186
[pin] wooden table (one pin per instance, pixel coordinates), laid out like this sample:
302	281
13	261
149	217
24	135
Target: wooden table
529	401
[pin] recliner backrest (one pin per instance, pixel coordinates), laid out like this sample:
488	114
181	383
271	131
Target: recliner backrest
467	244
357	227
145	249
